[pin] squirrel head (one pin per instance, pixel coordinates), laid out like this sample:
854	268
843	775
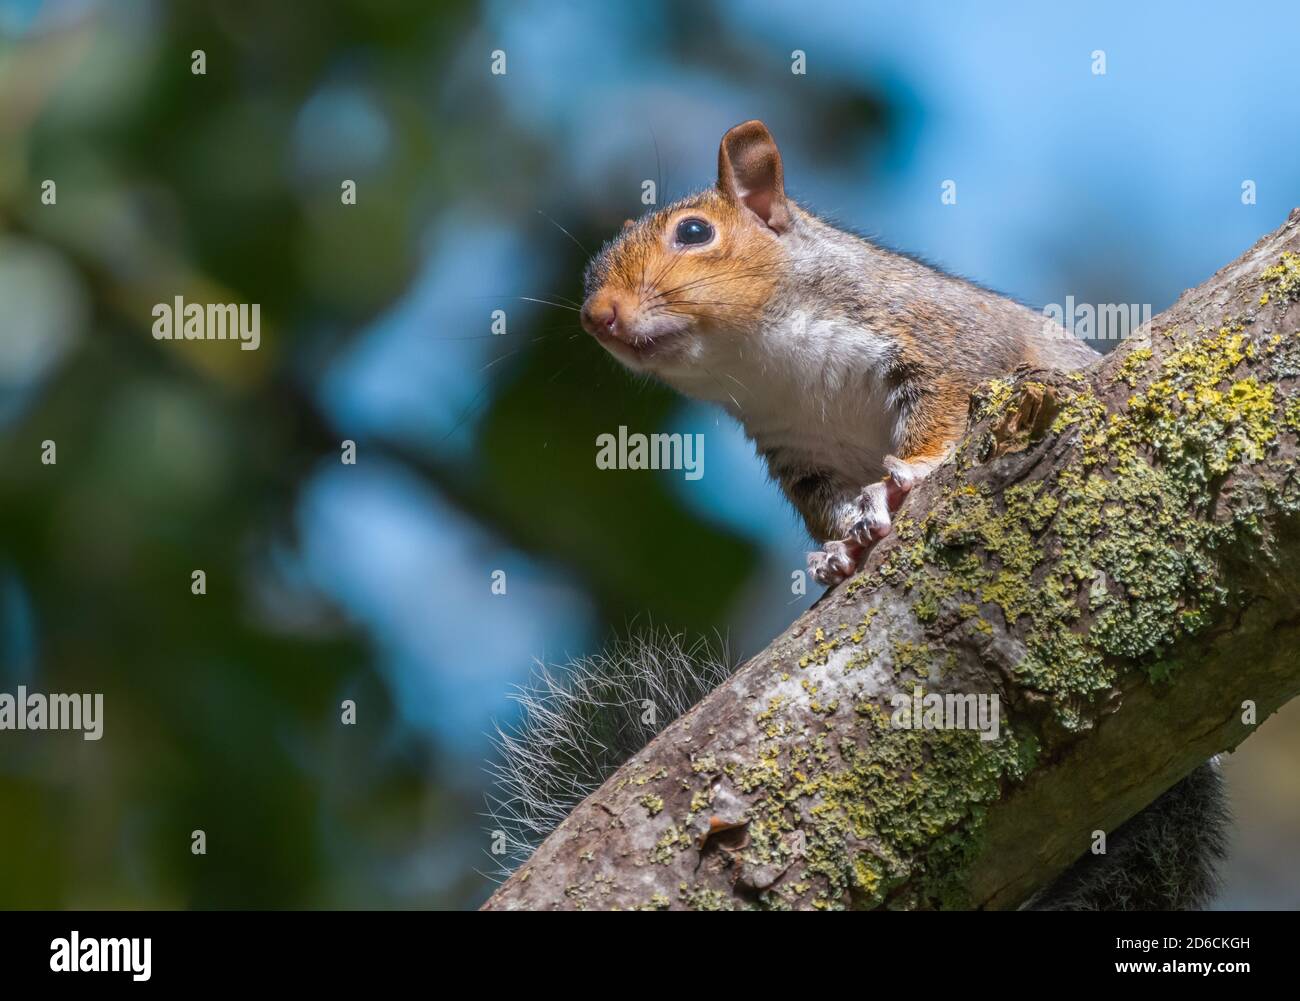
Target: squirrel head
681	286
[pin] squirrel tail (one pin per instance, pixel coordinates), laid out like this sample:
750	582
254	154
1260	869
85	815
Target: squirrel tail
1165	858
580	723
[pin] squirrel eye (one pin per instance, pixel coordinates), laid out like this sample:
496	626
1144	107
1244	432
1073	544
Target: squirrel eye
692	232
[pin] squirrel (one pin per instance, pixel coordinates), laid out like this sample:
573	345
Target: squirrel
842	361
850	367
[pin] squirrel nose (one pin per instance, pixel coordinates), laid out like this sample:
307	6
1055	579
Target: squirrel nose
599	314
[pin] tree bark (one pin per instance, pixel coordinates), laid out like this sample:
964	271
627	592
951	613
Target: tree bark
1113	554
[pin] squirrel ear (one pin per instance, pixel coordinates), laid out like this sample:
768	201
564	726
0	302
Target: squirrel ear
749	172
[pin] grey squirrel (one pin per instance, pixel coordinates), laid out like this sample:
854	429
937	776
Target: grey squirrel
850	367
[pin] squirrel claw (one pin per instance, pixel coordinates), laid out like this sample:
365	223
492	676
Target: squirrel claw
839	560
867	533
874	508
902	477
834	563
878	501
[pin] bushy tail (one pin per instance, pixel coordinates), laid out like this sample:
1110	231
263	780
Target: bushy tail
580	722
1165	858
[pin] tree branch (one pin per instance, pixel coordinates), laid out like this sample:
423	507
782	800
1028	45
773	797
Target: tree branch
1112	554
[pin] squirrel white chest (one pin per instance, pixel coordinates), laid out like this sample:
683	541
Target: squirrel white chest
813	397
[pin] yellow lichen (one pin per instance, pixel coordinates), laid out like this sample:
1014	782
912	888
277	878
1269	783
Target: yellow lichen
1282	278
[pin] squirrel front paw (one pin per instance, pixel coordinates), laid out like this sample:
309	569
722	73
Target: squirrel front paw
873	522
834	563
878	501
873	510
